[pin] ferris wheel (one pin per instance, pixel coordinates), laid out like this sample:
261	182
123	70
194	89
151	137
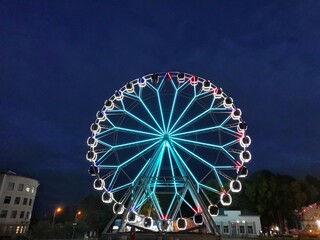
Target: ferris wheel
168	148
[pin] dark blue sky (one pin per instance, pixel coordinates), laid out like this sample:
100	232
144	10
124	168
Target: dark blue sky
59	61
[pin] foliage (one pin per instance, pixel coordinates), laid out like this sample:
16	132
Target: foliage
95	215
275	197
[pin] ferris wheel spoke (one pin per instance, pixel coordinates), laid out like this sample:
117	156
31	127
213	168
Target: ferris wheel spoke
131	130
103	157
225	121
230	131
186	110
183	168
105	132
203	161
196	118
135	157
130	144
198	143
147	109
121	187
192	120
183	113
141	121
172	171
130	160
201	130
157	167
209	188
230	143
161	111
156	90
228	155
173	105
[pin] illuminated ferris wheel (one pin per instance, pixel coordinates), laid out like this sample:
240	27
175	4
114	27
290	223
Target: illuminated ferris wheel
166	150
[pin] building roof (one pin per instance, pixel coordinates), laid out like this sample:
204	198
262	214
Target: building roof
243	212
8	172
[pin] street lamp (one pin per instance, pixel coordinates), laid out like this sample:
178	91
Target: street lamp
78	214
56	211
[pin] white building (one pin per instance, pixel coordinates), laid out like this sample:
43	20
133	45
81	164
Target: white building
238	223
17	195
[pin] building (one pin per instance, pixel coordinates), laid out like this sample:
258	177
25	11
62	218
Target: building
310	220
17	195
238	223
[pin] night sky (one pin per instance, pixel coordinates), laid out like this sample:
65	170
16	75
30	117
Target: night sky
59	61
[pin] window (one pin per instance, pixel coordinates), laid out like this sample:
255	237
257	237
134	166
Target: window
250	230
27	215
30	202
3	213
28	188
14	214
7	200
218	226
20	187
241	229
10	186
25	201
32	189
17	229
225	229
17	200
22	214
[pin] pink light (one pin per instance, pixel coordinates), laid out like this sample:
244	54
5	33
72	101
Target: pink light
238	164
240	134
168	74
194	210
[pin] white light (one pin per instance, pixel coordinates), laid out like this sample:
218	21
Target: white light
227	105
193	81
245	156
118	95
238	184
95	128
216	94
213	214
243	221
98	186
151	222
110	105
206	88
236	117
318	223
276	228
93	143
225	199
118	211
194	219
245	144
107	197
185	223
129	88
142	82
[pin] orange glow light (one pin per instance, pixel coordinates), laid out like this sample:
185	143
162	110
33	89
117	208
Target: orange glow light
59	209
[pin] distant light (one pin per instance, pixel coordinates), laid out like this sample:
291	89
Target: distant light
59	209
